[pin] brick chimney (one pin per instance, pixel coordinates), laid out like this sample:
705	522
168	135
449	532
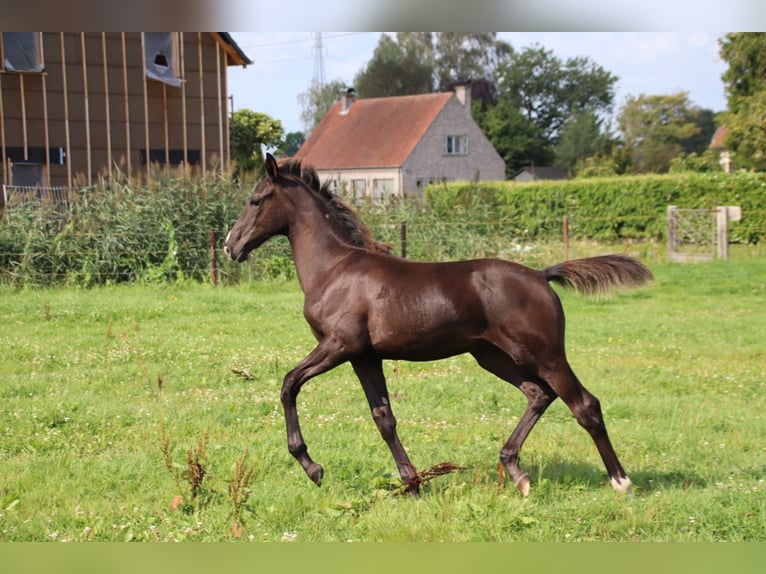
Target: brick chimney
347	99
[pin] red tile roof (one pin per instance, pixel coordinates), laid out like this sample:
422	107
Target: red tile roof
374	133
719	138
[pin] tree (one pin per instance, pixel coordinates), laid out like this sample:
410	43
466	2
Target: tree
537	94
317	100
745	53
747	132
397	68
548	90
518	140
745	81
250	132
655	128
291	144
460	56
423	62
582	136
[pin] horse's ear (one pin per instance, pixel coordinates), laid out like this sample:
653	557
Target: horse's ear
271	167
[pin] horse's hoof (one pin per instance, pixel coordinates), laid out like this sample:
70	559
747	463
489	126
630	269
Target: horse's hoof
623	485
316	472
523	483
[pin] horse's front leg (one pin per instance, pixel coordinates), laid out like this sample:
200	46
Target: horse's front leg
324	357
370	373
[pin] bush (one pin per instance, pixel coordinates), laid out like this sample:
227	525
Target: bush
119	231
606	209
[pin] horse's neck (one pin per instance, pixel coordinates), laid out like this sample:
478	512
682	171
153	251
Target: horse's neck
316	243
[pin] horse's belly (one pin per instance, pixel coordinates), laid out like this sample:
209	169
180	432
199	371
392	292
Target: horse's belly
424	344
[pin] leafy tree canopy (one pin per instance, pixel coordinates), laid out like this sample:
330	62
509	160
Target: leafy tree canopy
291	144
657	128
745	81
537	95
251	132
317	100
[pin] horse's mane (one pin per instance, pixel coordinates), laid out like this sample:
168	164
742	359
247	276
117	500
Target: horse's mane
357	233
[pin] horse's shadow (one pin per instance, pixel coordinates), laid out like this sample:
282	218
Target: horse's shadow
583	474
580	475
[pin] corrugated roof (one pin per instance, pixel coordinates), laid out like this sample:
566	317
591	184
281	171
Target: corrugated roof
373	133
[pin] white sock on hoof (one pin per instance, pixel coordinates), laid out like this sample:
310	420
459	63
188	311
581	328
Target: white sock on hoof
623	485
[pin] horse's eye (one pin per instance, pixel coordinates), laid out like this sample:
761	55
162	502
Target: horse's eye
255	202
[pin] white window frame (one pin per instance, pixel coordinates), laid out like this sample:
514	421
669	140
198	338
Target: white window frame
382	188
358	188
455	145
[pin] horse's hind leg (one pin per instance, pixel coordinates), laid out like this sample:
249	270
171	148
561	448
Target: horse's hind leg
587	410
370	373
539	397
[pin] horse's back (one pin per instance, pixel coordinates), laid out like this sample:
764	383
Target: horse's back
426	311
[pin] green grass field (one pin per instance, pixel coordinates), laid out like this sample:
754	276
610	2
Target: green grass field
113	400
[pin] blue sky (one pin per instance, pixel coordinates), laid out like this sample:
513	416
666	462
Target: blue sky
645	63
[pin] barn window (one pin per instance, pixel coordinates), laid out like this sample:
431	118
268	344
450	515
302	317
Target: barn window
22	52
162	57
27	174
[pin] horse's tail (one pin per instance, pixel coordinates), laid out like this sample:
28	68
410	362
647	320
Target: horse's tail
595	275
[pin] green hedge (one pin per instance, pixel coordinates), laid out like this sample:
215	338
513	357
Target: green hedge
605	209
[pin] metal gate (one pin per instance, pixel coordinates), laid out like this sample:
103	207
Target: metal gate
699	234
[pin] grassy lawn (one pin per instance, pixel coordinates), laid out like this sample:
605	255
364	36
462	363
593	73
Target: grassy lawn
113	399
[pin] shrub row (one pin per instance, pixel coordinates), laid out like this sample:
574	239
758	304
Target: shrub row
606	209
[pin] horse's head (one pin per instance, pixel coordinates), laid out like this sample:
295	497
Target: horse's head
262	218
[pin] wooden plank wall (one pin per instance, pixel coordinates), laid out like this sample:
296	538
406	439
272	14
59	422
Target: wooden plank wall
95	102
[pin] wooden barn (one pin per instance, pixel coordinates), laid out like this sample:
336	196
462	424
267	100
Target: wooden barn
78	105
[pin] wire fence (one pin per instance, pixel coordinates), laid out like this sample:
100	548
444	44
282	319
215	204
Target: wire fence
168	256
127	240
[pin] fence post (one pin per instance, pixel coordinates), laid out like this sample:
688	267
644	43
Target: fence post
672	230
213	258
722	221
403	239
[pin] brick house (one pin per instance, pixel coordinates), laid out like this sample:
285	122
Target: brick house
396	146
718	144
76	105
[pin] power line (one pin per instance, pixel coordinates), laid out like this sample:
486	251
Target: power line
249	45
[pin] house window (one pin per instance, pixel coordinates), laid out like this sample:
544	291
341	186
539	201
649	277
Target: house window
382	188
455	145
358	188
161	50
422	182
22	52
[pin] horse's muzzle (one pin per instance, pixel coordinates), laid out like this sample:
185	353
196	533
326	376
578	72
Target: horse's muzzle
226	248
